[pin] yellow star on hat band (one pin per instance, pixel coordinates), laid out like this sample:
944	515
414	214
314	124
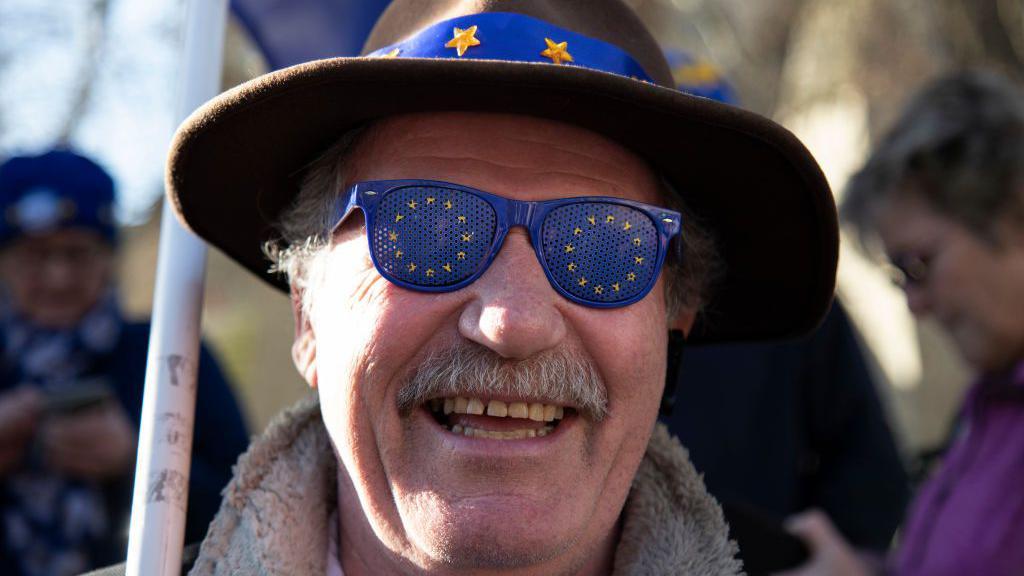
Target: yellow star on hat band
463	40
557	52
513	37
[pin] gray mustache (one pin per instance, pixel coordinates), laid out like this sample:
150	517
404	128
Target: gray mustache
469	369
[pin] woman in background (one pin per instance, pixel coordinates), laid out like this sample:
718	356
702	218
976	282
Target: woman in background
944	193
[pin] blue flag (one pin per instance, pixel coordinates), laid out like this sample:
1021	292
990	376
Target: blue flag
289	32
699	77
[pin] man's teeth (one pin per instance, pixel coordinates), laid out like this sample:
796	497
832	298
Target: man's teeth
536	412
496	408
502	434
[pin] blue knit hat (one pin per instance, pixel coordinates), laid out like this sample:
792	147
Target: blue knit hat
55	191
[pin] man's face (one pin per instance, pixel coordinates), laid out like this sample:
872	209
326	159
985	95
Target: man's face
438	497
54	279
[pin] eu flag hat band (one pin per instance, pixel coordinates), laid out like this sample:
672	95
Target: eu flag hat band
517	38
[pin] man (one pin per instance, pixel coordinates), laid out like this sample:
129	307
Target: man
472	222
71	373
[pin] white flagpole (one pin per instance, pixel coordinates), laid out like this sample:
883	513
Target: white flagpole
157	532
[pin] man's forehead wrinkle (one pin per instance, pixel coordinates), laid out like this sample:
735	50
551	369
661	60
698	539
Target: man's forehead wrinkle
616	188
545	147
400	136
510	162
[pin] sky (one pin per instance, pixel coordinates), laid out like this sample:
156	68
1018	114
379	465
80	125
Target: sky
128	57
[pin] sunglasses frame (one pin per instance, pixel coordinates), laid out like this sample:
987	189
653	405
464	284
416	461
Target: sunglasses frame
509	213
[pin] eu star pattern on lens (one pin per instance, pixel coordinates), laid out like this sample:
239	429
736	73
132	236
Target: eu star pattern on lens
432	236
612	250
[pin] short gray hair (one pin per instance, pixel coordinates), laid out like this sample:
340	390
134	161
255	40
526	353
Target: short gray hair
960	145
302	226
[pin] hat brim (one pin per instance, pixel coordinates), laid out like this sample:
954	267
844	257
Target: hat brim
238	161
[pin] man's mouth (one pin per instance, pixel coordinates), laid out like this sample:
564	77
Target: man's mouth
497	419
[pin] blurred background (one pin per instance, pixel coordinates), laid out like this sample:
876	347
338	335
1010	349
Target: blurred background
103	76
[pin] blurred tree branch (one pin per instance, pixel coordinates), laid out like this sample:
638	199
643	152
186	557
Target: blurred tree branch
99	13
982	31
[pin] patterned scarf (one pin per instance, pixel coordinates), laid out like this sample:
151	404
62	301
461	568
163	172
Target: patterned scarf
51	523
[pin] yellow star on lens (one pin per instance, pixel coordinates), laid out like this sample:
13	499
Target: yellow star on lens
412	267
638	259
571	266
398	254
568	248
610	219
412	204
398	217
627	226
583	282
462	219
447	267
598	289
558	52
615	286
636	241
461	255
393	236
447	204
393	54
430	272
577	231
467	237
631	277
463	40
430	199
592	220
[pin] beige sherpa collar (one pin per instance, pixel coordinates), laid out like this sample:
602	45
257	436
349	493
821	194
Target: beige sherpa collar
273	520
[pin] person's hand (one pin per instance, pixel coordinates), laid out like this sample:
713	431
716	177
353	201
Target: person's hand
831	555
96	444
19	413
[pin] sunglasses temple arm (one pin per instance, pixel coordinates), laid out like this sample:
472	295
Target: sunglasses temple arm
675	241
343	207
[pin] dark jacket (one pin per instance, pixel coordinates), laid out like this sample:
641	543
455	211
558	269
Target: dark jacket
787	426
220	436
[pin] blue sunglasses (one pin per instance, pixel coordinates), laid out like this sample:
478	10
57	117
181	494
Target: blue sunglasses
435	236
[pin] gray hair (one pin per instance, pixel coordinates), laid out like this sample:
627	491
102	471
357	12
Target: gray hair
466	368
303	225
960	145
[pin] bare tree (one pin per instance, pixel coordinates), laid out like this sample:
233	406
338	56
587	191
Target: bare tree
99	12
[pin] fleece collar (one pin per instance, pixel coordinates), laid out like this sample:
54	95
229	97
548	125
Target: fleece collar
273	520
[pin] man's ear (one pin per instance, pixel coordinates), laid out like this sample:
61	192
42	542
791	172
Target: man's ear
683	320
304	345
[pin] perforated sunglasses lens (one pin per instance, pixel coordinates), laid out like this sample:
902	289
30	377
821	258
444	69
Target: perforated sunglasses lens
430	236
600	252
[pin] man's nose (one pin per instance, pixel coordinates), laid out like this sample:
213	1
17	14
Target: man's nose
514	310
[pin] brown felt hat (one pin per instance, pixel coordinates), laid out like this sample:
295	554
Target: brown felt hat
239	159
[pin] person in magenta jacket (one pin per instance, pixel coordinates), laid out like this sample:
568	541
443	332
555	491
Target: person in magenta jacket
944	193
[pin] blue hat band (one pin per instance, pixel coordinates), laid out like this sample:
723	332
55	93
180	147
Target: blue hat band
514	37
